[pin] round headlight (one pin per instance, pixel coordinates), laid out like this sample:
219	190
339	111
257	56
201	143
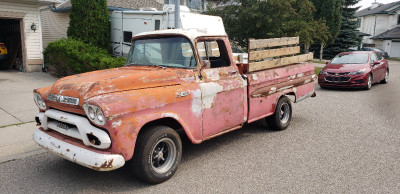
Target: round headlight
100	116
39	101
91	113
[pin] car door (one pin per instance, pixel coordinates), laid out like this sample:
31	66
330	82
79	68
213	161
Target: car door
223	89
378	70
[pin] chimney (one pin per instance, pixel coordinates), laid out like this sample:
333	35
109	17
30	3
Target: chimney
375	5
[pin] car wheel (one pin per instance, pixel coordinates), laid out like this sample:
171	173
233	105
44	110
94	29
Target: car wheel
386	79
157	154
369	82
282	116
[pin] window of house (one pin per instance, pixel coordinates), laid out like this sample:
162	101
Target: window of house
398	19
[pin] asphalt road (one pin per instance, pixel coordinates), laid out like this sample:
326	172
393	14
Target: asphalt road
342	141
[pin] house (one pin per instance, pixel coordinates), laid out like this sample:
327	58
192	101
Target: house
20	30
382	23
55	20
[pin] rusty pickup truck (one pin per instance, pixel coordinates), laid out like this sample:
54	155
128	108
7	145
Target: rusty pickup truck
175	84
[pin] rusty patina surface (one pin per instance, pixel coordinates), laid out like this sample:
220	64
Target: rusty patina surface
223	100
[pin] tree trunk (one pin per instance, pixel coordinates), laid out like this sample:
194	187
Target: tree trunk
321	51
306	48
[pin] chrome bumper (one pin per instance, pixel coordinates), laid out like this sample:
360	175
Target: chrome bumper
84	157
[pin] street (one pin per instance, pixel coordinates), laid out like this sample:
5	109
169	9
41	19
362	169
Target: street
342	141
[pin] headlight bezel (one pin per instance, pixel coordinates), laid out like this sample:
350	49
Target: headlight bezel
323	72
359	72
97	113
39	101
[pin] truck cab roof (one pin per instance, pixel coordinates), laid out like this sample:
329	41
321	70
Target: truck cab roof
192	34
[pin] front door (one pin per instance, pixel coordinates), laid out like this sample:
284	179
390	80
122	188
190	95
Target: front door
223	90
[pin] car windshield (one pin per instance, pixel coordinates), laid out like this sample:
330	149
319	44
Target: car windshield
352	58
164	52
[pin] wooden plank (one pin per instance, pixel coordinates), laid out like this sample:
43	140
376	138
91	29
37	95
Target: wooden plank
274	42
256	66
257	55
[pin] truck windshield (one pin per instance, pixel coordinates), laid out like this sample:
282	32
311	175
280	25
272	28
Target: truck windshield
165	52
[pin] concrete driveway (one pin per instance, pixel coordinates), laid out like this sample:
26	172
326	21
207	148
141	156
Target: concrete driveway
16	104
17	112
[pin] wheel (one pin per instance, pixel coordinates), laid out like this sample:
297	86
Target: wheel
158	152
282	116
369	82
386	79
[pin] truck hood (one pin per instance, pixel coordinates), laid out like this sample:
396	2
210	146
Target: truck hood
88	85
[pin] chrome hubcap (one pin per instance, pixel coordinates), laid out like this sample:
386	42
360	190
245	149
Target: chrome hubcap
163	155
387	76
369	81
284	113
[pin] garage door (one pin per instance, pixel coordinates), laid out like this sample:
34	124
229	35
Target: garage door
395	51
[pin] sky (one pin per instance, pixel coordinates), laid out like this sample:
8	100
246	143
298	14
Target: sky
366	3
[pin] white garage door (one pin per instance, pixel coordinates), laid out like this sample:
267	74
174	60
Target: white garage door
395	51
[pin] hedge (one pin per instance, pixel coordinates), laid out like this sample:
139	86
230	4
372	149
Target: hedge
68	57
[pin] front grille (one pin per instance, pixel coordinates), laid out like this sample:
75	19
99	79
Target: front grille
337	73
337	79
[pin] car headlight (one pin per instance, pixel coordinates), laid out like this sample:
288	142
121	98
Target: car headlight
323	72
94	114
362	71
39	101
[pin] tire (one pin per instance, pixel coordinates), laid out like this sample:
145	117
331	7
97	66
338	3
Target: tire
386	79
282	116
369	82
158	153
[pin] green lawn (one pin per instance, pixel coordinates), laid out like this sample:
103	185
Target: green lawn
317	70
394	59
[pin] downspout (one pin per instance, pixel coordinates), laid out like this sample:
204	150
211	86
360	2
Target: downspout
375	24
177	11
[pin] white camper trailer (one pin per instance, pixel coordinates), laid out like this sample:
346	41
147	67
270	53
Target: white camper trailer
125	24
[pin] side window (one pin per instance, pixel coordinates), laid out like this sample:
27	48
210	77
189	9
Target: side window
373	58
212	51
157	25
379	56
127	36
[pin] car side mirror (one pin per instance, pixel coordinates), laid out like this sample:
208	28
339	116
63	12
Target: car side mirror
377	62
206	64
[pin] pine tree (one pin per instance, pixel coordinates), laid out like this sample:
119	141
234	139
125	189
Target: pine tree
89	22
348	36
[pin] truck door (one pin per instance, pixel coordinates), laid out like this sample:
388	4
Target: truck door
223	89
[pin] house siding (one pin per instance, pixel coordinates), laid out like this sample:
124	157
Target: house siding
54	26
32	39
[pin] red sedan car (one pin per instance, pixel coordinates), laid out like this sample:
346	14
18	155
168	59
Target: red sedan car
354	69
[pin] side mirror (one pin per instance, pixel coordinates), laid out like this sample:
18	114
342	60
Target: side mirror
206	64
328	62
377	62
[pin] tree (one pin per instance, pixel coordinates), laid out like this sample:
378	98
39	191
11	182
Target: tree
329	12
89	22
348	35
270	19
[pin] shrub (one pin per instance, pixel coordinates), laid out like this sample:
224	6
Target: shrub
90	22
68	56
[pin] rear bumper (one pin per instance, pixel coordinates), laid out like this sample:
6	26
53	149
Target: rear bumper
84	157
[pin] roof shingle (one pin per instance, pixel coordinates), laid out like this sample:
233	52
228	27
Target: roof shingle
381	9
390	34
127	4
